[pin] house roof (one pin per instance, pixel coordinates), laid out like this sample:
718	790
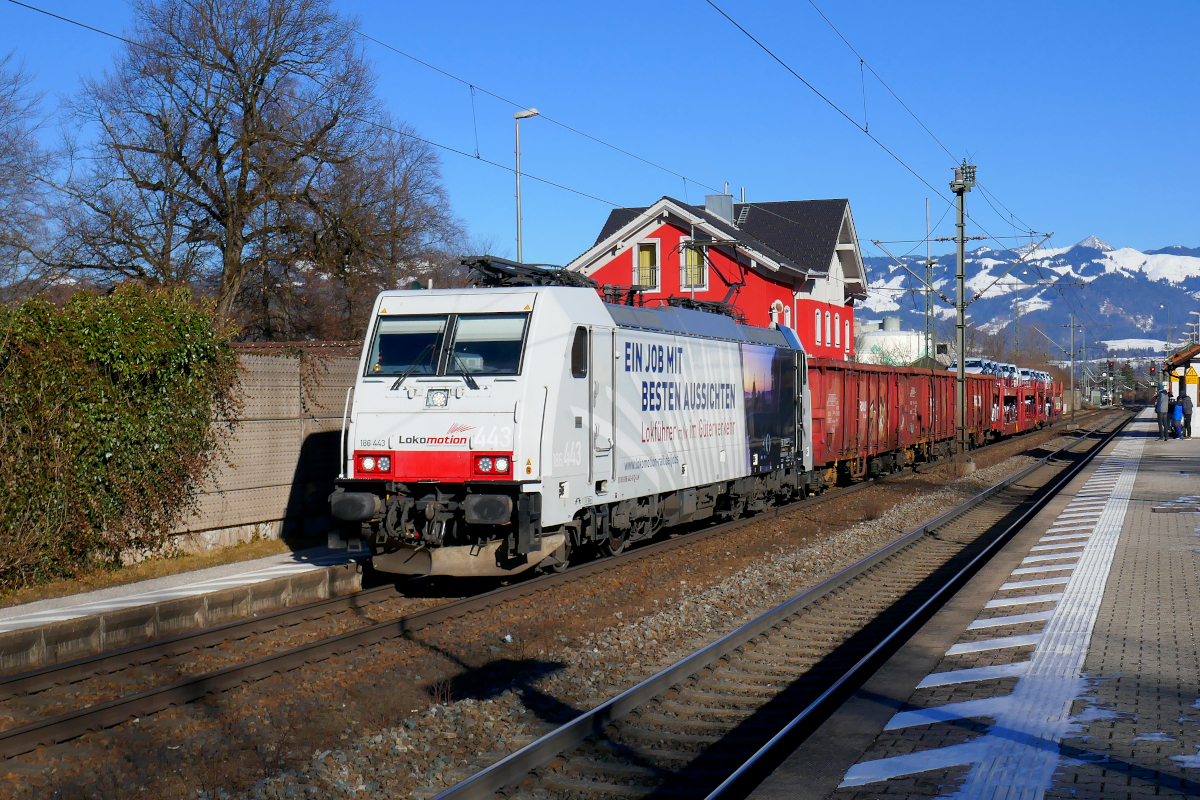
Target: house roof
800	232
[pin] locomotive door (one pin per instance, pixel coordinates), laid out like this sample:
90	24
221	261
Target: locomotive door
601	405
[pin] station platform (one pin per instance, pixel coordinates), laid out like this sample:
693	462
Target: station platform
62	628
1068	667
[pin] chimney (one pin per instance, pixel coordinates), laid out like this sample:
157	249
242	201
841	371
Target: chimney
720	205
891	323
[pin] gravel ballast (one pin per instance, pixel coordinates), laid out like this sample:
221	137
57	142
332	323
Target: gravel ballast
447	741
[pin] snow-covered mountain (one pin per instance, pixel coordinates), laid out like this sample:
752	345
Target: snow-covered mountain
1124	296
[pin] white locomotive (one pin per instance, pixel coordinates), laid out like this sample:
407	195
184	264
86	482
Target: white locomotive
497	428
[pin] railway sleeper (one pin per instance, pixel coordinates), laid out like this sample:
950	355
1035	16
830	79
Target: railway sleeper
774	667
590	769
787	658
574	787
738	679
681	741
647	777
719	701
729	682
666	759
705	712
655	721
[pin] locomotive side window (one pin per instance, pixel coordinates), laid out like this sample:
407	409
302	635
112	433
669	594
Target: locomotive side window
579	353
488	343
404	344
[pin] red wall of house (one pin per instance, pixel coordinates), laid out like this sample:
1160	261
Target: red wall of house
754	299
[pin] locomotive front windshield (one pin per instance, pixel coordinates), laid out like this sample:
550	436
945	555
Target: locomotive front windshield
489	344
407	344
448	344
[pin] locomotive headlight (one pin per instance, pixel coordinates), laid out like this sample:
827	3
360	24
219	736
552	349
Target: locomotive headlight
484	464
385	464
500	464
368	464
437	398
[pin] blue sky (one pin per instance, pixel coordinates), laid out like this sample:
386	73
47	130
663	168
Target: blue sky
1082	117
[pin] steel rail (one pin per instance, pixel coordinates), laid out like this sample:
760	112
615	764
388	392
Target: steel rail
42	678
22	739
80	669
767	757
516	767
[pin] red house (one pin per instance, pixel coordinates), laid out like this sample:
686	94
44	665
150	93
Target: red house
795	262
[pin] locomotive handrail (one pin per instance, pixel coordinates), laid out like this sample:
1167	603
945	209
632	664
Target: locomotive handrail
345	412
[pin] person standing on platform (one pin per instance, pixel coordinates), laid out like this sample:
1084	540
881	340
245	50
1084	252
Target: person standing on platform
1162	407
1177	417
1185	400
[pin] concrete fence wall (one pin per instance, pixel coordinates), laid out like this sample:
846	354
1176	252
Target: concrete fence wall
278	468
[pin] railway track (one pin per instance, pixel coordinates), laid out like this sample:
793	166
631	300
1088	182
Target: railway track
759	690
293	622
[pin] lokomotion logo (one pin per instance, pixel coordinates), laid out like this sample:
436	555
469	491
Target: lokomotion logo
456	434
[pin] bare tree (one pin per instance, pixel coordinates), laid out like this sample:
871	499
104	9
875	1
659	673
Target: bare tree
23	166
354	232
218	119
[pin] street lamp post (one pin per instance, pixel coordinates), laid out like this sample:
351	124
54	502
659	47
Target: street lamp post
520	115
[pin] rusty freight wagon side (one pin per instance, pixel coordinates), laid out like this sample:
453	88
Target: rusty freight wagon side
1023	406
868	419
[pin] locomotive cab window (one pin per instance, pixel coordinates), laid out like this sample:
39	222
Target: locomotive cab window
579	353
407	344
489	344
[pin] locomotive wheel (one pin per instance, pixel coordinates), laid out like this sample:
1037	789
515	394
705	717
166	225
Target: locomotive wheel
614	544
562	558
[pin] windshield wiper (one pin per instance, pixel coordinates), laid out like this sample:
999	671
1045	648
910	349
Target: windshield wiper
411	367
465	373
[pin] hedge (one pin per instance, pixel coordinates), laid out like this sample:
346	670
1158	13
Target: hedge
107	409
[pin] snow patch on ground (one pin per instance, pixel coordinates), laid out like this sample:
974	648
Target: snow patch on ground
1133	344
1188	762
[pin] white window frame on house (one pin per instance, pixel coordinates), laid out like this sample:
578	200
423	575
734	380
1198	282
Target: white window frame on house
847	341
828	329
637	263
817	325
703	253
837	330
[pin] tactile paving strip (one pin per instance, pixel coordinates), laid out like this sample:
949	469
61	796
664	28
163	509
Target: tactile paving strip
1017	755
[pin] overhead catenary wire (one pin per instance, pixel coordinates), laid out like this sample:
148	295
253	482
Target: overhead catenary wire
571	128
831	104
515	104
473	87
686	179
864	63
364	120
